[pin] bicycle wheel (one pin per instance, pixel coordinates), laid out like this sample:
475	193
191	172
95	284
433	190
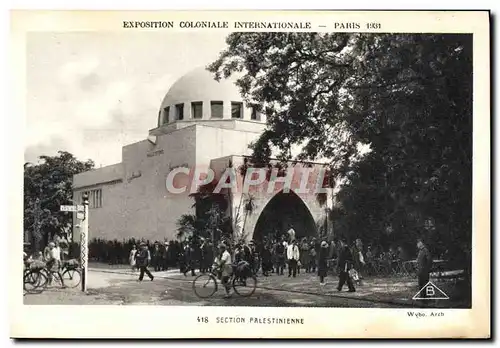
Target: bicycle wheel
204	285
71	278
245	287
34	282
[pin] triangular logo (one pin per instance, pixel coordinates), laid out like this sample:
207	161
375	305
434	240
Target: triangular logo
430	292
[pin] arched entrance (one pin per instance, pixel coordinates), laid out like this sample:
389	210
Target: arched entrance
283	211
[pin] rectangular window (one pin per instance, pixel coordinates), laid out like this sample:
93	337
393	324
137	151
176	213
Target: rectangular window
98	198
166	114
217	109
197	109
95	198
236	110
254	115
179	112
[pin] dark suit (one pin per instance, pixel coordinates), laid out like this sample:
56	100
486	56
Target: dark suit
424	266
323	264
142	261
344	265
189	260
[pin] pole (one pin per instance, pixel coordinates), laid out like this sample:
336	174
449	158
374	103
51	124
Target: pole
84	248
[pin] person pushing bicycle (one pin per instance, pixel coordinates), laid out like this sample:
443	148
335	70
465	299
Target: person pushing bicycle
225	265
53	259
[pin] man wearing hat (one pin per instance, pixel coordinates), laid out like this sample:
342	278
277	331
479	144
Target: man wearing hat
293	255
323	262
164	255
344	265
143	258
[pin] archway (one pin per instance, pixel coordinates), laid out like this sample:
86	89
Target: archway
283	211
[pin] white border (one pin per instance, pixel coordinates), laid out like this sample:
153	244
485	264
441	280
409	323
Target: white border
11	137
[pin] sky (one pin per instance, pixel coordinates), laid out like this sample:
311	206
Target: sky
92	93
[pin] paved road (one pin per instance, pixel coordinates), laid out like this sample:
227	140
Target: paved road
120	287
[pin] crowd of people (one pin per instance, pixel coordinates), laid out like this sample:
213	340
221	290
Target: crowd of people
114	252
270	256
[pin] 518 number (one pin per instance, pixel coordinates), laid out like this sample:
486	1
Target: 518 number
373	26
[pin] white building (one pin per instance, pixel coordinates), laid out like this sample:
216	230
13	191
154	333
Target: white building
201	122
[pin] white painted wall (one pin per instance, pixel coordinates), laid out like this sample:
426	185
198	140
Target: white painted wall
212	142
141	206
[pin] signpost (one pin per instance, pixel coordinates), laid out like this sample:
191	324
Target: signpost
84	234
82	213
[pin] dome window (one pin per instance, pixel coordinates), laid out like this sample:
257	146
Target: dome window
236	110
166	115
197	109
217	109
255	115
179	112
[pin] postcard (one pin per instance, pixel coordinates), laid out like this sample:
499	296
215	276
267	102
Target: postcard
250	174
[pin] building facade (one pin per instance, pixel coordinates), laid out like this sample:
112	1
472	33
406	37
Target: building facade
202	123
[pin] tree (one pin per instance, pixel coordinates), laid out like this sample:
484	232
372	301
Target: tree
407	98
48	185
209	220
187	225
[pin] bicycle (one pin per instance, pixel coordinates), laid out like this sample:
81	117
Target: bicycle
206	284
37	279
34	281
71	273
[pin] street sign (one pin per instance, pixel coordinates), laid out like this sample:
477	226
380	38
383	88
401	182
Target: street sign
72	208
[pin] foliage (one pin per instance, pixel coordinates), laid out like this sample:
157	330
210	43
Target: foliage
47	185
187	225
210	220
407	98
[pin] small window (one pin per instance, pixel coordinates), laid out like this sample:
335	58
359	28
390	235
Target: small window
166	115
197	109
98	202
217	109
254	115
159	118
179	112
95	198
236	110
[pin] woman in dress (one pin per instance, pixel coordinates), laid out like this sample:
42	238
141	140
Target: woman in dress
131	258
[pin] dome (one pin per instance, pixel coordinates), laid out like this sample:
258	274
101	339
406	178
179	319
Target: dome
198	98
199	85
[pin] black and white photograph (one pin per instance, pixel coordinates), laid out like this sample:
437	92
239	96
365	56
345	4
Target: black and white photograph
249	163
